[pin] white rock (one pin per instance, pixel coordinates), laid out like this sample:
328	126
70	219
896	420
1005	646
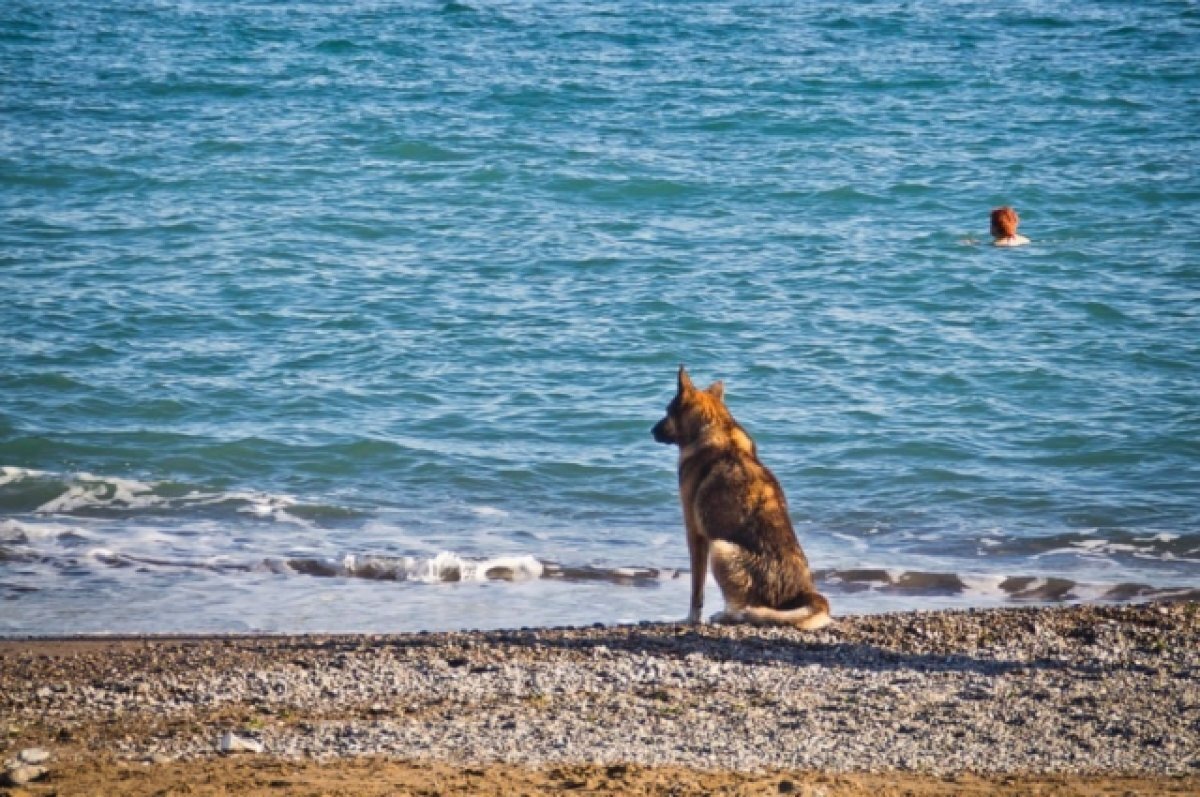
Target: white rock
232	743
34	755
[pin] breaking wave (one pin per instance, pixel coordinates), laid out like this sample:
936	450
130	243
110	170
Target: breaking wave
990	587
42	493
443	568
448	567
226	549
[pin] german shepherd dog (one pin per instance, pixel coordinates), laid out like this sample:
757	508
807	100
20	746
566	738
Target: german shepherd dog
736	517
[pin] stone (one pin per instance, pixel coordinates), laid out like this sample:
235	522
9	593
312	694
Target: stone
232	743
34	755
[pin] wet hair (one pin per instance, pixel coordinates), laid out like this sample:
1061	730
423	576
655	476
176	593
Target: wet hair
1004	222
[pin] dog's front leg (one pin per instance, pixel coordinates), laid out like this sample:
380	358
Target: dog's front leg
698	548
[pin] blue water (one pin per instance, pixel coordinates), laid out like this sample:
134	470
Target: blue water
356	316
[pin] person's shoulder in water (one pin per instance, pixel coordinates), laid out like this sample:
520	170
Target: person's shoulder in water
1004	228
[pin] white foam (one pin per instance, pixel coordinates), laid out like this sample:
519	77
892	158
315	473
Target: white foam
1160	537
1074	549
268	506
24	532
87	491
855	542
1088	592
488	511
1100	547
94	491
263	505
9	474
1089	545
140	538
12	531
982	586
867	575
445	567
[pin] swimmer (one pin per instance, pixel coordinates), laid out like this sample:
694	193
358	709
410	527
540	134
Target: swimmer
1004	228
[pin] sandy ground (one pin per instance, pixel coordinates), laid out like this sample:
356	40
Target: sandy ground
378	777
1087	700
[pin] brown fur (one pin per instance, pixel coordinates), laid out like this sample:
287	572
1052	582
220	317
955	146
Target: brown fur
736	517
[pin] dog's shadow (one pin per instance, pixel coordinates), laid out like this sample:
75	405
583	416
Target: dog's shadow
828	648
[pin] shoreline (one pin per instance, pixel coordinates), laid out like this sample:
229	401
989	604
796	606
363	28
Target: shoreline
1072	699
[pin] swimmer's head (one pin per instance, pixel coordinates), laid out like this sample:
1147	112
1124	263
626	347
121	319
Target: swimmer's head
1004	222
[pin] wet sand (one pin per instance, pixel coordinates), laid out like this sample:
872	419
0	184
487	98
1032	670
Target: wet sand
1101	699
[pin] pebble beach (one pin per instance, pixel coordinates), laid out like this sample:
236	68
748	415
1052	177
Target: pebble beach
1064	700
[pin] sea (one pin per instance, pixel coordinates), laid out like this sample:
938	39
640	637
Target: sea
355	317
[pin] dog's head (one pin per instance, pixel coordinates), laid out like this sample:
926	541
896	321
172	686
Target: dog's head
692	412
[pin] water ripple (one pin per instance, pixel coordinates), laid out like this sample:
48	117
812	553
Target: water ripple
411	260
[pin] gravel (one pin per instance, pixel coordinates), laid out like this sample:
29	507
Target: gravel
1092	689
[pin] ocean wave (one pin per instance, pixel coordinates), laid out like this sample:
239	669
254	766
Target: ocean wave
1146	544
991	587
445	567
43	493
14	532
448	567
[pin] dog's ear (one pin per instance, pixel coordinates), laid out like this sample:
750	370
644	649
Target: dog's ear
685	381
717	390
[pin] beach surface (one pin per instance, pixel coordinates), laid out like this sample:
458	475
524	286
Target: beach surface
1091	699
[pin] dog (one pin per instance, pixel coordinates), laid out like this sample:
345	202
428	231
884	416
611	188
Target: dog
736	517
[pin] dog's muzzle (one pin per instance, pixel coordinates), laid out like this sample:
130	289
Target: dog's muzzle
660	432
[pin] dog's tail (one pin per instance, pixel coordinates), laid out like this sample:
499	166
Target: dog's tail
812	614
